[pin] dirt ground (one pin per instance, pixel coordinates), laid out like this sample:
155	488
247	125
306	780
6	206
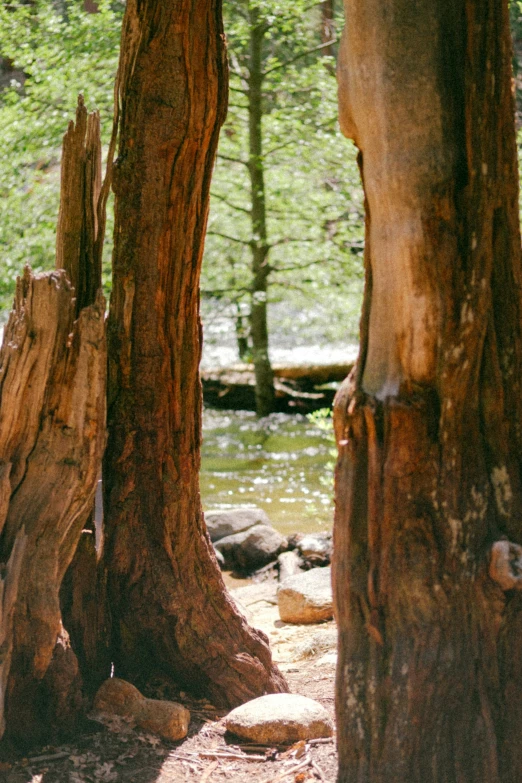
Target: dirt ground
306	655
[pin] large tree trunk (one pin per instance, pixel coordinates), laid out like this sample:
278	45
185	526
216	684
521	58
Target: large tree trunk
170	611
429	682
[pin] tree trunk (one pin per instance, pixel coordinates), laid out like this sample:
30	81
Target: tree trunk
52	386
79	247
265	394
171	614
328	27
428	426
243	347
52	435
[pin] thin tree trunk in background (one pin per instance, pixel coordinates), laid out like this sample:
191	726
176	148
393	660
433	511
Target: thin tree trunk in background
328	27
265	395
429	426
171	614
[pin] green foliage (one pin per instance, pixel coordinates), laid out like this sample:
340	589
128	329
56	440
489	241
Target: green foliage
313	191
323	420
61	51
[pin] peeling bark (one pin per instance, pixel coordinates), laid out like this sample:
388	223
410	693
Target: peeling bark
428	425
52	415
170	611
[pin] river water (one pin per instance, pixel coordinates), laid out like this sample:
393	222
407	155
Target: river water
282	463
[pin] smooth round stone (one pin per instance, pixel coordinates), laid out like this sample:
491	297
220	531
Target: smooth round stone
280	719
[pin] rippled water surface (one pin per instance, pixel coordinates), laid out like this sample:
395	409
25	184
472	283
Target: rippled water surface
282	463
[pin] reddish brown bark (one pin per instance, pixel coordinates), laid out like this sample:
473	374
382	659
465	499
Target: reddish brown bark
170	611
429	424
52	434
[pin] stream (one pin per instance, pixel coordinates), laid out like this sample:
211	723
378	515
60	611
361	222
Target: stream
282	463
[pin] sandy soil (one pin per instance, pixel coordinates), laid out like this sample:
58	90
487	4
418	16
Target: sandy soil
306	655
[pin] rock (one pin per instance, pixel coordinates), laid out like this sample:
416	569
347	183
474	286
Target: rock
321	641
279	719
294	539
254	594
251	549
221	524
119	698
316	548
167	719
219	558
307	597
289	564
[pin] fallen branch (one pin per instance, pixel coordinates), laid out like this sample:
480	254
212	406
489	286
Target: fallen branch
217	754
49	757
317	769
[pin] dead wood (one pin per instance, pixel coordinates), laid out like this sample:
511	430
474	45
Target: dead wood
77	233
52	434
297	388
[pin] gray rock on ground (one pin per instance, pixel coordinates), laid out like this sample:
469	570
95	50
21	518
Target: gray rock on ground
316	548
234	520
256	593
289	564
251	549
280	718
306	598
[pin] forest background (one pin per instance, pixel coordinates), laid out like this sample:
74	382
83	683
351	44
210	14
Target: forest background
301	220
311	230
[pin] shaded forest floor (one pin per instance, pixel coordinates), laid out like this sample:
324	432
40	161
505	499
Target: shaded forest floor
306	655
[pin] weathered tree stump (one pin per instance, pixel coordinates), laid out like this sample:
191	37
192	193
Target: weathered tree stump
52	435
79	245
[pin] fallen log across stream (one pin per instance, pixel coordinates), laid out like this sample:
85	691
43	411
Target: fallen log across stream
299	389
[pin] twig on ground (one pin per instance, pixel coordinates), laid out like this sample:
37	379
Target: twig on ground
218	754
290	771
321	741
316	768
208	772
49	757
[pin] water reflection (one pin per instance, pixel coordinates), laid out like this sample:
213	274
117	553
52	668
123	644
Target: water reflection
279	463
